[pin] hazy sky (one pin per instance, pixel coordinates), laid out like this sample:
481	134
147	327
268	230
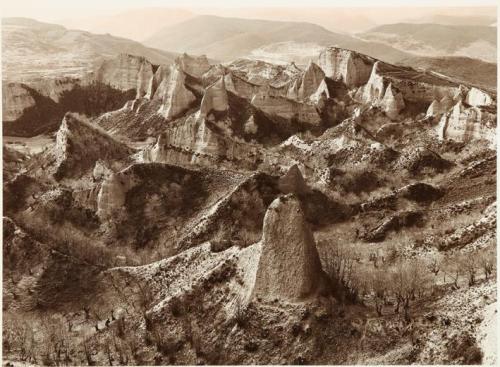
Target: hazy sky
52	10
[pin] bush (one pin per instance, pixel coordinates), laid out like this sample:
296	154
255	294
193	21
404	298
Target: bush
463	350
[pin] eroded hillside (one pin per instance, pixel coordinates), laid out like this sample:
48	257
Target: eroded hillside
252	213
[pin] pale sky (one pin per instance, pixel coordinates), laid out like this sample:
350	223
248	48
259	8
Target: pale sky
52	10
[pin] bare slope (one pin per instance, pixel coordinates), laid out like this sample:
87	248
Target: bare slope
33	49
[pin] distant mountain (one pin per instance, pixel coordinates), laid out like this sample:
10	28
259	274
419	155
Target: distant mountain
33	49
136	24
472	71
475	20
229	38
430	39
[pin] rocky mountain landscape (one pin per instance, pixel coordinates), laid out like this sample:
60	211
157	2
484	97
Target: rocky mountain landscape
188	207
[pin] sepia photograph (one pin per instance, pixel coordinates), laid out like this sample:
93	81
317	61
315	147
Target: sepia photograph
280	182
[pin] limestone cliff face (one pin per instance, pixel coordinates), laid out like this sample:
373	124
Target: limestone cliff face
126	72
467	124
214	98
289	266
352	68
79	145
193	65
16	98
287	108
176	98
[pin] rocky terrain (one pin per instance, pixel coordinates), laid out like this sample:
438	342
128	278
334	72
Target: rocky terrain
193	212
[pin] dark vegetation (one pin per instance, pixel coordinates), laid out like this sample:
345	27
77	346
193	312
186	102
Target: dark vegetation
45	116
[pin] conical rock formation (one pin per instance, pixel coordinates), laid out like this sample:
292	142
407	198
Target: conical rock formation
311	80
392	102
289	266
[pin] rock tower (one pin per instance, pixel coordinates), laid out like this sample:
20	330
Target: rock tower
289	266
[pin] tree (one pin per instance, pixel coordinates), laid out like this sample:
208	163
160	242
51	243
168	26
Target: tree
453	268
469	264
378	285
408	280
339	262
487	261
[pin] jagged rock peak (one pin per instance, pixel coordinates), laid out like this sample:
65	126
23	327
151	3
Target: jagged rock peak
214	98
293	182
352	68
312	78
176	97
161	74
193	65
289	266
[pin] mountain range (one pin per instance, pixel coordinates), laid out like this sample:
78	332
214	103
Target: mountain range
430	39
228	38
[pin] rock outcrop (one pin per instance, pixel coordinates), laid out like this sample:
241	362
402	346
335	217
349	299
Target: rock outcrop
241	87
302	88
466	124
112	195
54	88
287	108
79	145
439	107
144	78
293	182
200	142
393	102
351	67
157	86
215	98
16	98
193	65
176	98
414	86
289	266
476	97
126	72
